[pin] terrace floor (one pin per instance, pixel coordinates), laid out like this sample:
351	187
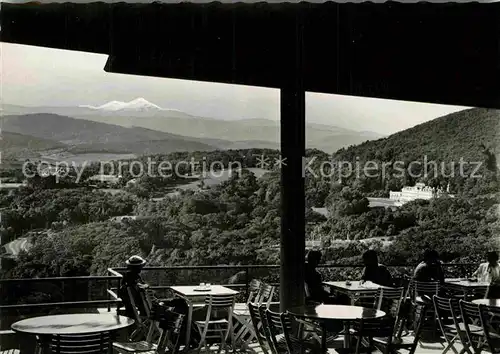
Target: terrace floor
426	348
423	348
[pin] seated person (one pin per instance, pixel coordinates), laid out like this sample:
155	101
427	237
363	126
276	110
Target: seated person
313	279
314	282
374	271
489	272
133	287
430	269
317	293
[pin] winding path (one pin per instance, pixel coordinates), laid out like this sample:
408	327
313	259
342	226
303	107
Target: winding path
14	247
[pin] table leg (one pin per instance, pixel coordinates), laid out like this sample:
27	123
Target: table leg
347	335
189	324
323	338
43	345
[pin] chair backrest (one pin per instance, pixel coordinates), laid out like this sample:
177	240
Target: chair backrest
421	288
92	343
446	309
267	329
258	325
253	290
291	339
408	286
490	320
366	298
426	287
220	301
376	327
266	294
276	330
389	300
471	316
480	293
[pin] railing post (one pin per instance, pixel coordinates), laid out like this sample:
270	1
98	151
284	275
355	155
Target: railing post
247	282
109	295
63	290
89	290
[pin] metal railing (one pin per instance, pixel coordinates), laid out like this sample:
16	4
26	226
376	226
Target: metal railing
63	285
256	271
243	274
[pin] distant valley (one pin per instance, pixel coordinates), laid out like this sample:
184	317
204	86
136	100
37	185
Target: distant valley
139	127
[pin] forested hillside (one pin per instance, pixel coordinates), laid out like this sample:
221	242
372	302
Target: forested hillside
238	221
470	136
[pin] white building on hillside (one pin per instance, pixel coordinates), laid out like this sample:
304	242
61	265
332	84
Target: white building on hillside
419	191
108	179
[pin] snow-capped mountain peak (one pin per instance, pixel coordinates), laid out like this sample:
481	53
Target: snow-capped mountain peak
139	104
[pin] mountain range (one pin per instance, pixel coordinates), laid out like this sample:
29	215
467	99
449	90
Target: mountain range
142	127
139	104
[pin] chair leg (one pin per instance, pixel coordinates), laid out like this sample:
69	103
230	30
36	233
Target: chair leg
450	345
222	343
240	334
202	339
233	339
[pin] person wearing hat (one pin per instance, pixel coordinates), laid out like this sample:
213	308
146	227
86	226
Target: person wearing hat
133	286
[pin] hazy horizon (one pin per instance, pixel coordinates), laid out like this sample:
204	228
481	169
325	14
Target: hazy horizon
45	77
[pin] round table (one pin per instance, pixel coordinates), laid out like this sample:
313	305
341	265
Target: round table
343	313
81	323
487	302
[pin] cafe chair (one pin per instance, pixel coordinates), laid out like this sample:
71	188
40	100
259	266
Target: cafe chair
266	294
389	300
311	328
471	317
365	330
416	289
217	328
266	329
241	312
246	334
451	324
8	351
398	343
92	343
259	327
284	335
389	295
364	298
145	328
422	293
490	321
480	293
253	295
168	341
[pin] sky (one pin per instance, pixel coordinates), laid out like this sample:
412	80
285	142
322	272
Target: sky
37	76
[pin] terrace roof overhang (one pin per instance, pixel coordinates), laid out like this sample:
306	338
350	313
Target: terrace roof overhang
441	53
387	50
